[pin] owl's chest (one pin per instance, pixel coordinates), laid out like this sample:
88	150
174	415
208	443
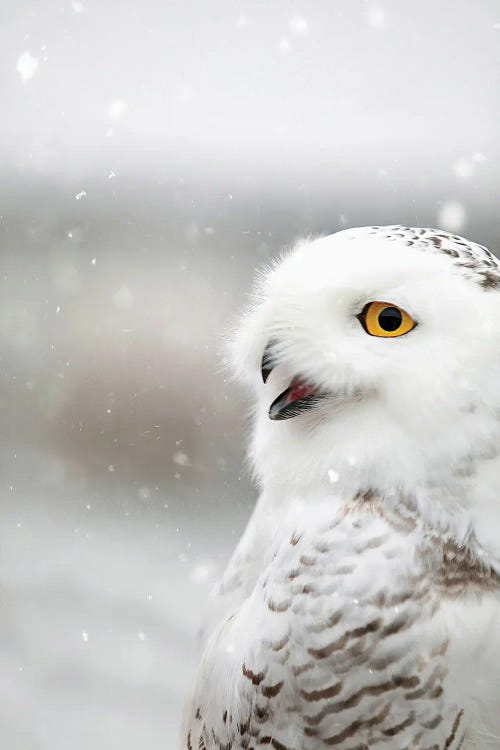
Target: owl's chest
349	651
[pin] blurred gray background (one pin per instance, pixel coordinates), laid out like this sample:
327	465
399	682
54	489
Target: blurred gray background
154	154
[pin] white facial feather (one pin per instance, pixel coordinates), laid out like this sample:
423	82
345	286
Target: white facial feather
430	400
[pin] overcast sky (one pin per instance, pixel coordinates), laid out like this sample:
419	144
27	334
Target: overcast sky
86	81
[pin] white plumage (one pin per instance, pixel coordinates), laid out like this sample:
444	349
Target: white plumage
361	608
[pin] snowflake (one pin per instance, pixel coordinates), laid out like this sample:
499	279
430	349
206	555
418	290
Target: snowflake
376	18
27	65
299	25
463	169
123	298
452	216
117	108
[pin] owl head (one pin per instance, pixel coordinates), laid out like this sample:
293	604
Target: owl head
374	359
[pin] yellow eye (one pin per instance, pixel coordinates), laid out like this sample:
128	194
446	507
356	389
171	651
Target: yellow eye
386	320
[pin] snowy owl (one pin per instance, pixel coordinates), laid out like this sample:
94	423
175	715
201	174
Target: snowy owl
361	608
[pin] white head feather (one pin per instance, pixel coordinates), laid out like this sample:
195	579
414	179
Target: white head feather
417	414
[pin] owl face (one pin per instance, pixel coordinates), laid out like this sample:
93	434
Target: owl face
368	351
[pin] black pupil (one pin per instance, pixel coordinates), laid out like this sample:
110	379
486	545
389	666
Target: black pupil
390	319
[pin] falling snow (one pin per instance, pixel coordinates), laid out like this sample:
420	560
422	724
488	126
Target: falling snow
144	493
377	18
284	46
299	25
203	572
181	459
125	493
452	216
117	108
479	157
27	65
123	298
463	169
333	476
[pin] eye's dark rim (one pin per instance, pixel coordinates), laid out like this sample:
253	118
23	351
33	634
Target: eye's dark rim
362	319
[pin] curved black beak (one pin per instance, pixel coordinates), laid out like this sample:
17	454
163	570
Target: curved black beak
283	408
267	364
296	399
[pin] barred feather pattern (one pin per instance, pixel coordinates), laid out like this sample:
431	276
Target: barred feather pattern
354	654
473	261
